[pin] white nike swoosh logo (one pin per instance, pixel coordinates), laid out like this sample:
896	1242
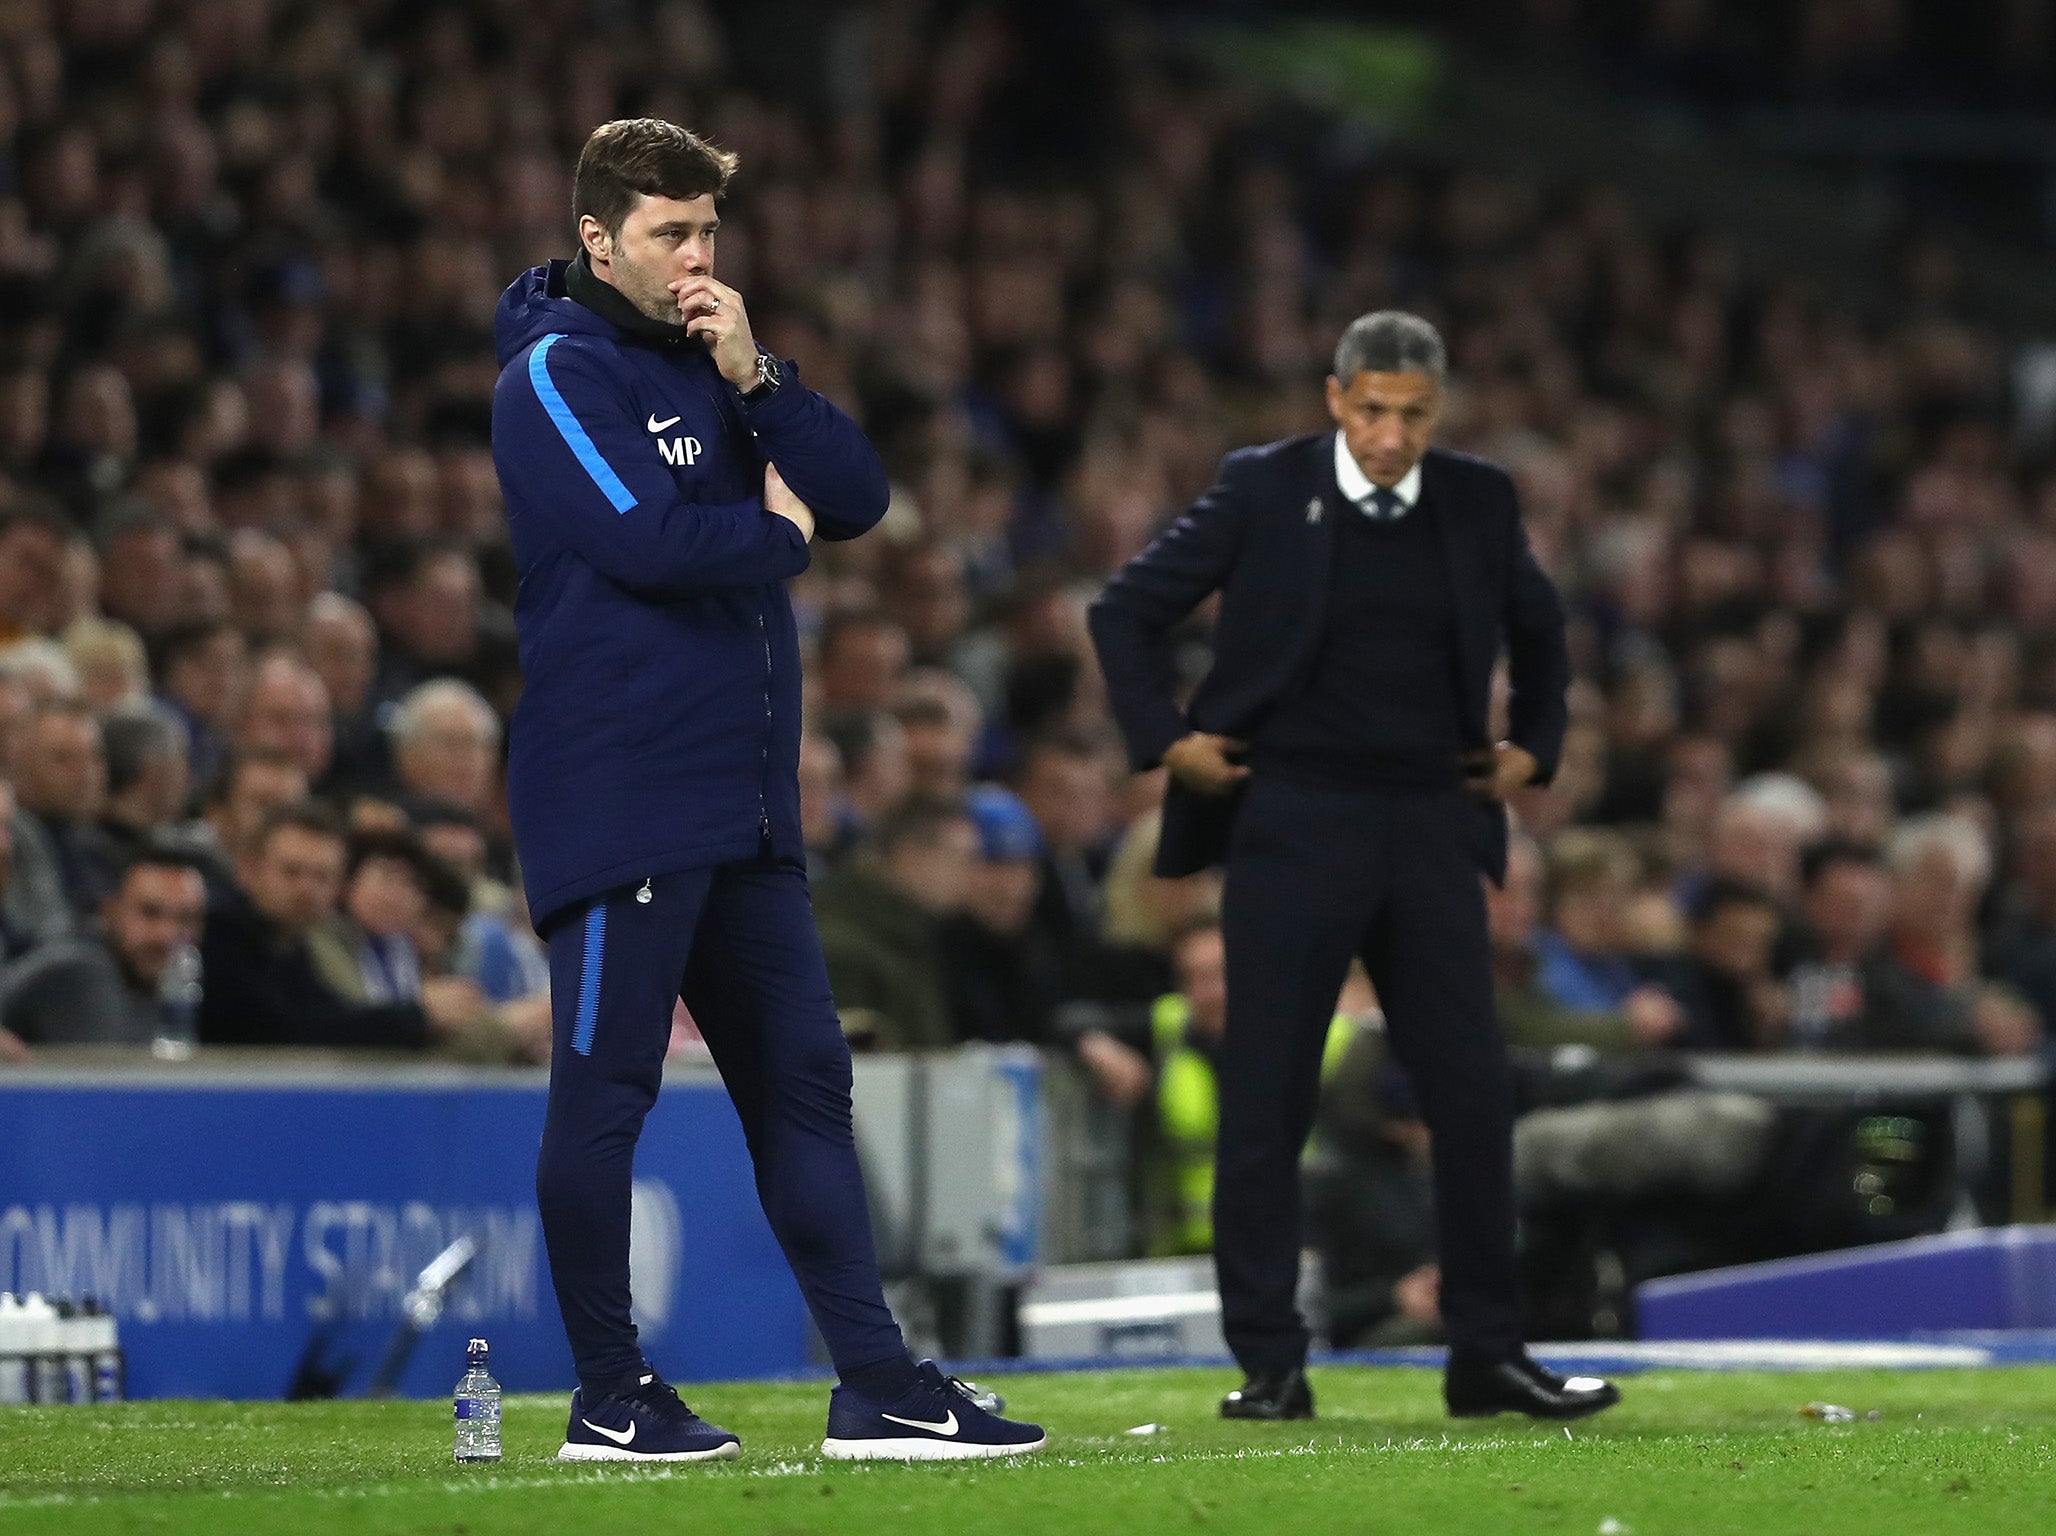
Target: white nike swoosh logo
618	1436
947	1427
657	426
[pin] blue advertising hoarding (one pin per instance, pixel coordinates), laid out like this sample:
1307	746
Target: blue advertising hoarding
231	1220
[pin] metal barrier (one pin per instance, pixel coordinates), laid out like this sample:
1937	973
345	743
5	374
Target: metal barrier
1966	1084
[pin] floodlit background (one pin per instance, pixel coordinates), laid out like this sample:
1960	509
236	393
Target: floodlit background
1751	298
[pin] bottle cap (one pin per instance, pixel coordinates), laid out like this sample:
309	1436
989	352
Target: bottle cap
475	1347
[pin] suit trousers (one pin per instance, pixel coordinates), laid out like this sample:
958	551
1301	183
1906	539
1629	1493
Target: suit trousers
1314	877
737	942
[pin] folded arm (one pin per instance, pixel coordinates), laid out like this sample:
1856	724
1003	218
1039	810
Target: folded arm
613	500
823	455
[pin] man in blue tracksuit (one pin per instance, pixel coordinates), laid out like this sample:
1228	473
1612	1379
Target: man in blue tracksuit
662	479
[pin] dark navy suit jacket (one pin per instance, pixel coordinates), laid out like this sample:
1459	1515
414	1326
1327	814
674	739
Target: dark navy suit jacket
1263	537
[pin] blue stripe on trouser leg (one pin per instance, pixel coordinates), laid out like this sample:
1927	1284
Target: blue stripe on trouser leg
598	1098
589	979
742	938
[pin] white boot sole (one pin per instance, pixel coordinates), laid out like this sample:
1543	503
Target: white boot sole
923	1450
725	1452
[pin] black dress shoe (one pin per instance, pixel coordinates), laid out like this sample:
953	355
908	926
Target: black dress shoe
1477	1389
1283	1395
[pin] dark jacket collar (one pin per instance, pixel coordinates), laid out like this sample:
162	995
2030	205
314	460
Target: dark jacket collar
583	286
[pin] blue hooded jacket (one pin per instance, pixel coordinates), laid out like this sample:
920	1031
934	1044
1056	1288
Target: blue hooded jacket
659	721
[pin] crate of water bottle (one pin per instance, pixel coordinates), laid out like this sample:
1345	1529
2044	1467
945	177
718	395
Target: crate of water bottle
55	1350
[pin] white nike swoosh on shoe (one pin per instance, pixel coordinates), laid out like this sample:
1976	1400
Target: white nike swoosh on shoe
657	426
947	1427
618	1436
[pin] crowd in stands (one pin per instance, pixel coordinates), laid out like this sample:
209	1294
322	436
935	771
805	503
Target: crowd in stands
256	658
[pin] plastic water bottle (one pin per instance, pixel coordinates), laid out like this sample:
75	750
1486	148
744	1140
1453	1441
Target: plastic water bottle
178	1006
43	1343
478	1409
100	1342
14	1351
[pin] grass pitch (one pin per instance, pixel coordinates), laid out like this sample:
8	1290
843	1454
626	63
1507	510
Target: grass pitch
1950	1451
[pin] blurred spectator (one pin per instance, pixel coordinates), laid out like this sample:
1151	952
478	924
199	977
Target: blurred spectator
33	906
43	668
515	1025
880	916
139	572
342	647
364	949
286	710
924	592
825	821
454	836
1847	903
876	774
1002	985
1647	1016
61	787
938	717
2024	949
16	704
1857	787
1725	982
203	672
1758	834
264	593
861	659
100	986
446	745
1186	1027
245	790
1066	781
1581	958
111	666
262	983
148	785
493	943
32	540
426	598
1929	994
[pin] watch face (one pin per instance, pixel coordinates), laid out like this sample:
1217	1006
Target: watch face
769	374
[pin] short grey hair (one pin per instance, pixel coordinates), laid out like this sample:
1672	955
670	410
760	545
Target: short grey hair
134	735
1390	341
410	716
1948	831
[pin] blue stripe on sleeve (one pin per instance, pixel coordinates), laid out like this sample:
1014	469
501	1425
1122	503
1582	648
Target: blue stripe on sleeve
567	424
589	980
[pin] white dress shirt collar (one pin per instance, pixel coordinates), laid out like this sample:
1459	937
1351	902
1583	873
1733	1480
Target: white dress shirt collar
1356	485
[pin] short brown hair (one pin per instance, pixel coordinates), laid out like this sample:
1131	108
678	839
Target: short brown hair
309	816
1589	858
644	156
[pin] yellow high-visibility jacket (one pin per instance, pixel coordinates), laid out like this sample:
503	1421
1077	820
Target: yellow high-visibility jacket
1189	1121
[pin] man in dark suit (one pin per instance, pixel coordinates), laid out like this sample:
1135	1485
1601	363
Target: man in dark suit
1337	758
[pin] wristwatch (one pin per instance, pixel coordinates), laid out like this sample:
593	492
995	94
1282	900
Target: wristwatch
769	377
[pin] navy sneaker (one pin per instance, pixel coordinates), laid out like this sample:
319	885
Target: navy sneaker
643	1420
939	1419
